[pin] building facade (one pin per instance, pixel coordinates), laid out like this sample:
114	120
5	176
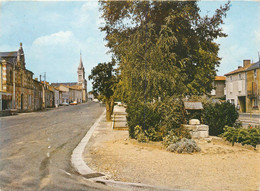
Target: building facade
219	86
38	95
253	88
236	91
17	86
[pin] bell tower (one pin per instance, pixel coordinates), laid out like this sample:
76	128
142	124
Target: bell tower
81	74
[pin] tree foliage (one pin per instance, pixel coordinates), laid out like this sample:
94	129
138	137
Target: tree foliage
164	48
103	83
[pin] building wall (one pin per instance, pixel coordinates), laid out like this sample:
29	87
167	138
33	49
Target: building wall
235	87
253	91
38	95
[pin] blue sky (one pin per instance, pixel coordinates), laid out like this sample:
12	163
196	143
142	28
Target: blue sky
53	33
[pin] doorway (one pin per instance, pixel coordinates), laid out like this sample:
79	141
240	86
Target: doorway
242	103
21	101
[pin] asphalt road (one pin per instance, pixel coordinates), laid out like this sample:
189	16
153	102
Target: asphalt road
35	148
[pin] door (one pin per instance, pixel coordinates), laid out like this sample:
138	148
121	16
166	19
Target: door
21	101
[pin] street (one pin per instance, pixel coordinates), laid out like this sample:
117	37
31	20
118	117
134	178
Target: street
35	148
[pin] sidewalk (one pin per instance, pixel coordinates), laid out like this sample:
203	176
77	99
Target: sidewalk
249	119
217	167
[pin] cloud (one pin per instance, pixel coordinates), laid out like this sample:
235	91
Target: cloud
59	38
85	14
90	5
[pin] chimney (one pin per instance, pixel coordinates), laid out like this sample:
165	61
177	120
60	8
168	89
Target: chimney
36	79
246	63
239	67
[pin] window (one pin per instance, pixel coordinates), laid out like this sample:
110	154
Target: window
255	74
239	76
29	100
11	76
255	103
230	77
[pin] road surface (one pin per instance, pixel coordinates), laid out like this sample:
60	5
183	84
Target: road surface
35	148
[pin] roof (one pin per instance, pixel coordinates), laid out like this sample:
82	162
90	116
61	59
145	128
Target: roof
193	105
75	87
8	54
254	66
240	69
65	84
220	78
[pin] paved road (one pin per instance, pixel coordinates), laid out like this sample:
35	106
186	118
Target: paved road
35	148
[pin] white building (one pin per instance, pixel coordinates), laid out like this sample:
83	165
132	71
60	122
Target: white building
236	85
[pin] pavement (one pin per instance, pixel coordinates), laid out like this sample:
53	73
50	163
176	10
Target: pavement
249	119
36	148
90	139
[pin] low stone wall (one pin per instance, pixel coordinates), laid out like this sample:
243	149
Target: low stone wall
198	131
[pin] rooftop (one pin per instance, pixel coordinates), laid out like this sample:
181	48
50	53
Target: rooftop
240	69
8	54
220	78
254	66
65	84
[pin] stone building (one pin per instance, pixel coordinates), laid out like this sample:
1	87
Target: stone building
219	86
253	88
38	94
17	86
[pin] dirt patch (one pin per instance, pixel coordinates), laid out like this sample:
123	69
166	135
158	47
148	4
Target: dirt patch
216	167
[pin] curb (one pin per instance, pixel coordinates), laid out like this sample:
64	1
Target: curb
88	174
76	157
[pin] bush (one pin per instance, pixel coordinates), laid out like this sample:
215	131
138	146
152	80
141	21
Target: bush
250	136
184	146
145	136
171	111
218	115
175	135
142	115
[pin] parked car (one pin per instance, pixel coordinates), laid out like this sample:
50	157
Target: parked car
74	103
118	103
95	100
65	104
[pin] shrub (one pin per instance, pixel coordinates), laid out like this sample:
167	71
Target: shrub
171	111
184	146
175	135
145	136
250	136
143	115
218	115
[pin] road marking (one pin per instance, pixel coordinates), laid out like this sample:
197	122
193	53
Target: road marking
64	172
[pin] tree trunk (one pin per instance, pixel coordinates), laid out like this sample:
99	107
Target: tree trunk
112	106
108	110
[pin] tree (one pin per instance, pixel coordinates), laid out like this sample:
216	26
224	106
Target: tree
164	48
104	83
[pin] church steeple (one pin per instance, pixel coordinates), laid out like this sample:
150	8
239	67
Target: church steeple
81	74
80	63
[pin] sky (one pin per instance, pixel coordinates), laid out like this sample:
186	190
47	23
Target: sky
54	33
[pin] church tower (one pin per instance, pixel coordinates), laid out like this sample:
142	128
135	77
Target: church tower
20	57
81	79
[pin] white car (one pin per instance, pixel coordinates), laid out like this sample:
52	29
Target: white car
95	100
65	104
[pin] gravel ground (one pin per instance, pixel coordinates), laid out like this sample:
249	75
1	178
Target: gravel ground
217	167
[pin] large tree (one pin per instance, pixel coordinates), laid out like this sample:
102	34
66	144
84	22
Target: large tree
103	83
164	48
